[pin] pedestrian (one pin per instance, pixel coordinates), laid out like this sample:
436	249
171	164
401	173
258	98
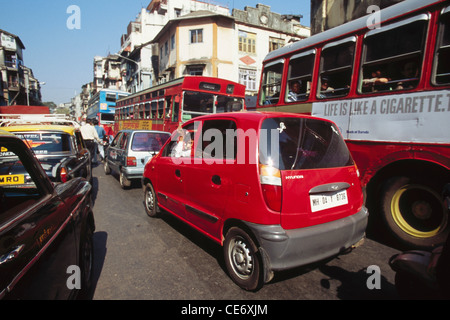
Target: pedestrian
101	135
90	138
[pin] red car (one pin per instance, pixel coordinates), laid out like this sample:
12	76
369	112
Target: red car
276	190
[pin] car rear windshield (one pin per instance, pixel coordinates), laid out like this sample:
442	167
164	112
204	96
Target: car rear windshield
148	141
302	143
46	142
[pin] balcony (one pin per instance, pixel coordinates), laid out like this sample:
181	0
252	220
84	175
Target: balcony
11	64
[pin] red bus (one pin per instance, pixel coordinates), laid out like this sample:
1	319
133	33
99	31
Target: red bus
384	79
164	107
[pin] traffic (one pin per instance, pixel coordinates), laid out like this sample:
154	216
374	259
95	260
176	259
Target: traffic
332	152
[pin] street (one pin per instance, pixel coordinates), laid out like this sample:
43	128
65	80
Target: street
142	258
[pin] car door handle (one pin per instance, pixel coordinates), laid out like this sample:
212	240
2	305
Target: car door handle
178	173
11	255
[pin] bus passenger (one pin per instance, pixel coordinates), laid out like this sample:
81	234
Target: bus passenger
409	76
325	90
294	91
376	83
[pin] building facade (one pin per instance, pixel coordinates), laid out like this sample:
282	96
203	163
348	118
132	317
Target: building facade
229	47
18	86
173	38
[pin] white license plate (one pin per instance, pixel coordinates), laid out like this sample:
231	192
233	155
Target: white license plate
326	201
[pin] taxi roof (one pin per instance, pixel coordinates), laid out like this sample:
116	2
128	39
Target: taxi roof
40	127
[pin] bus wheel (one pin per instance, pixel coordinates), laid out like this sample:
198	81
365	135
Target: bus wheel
414	212
243	260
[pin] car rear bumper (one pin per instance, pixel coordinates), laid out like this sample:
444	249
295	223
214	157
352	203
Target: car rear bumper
133	172
284	249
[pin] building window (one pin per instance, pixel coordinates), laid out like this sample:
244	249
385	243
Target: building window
247	77
172	42
194	70
196	36
247	42
275	43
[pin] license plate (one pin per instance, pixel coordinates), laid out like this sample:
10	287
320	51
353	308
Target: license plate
12	179
326	201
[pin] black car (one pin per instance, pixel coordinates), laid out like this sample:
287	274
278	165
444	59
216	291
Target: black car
59	149
46	229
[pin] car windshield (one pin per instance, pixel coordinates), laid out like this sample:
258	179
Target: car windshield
148	141
301	143
46	142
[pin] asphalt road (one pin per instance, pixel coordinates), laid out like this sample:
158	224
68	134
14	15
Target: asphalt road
142	258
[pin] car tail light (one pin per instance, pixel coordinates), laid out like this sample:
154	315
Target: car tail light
357	171
270	178
131	161
63	174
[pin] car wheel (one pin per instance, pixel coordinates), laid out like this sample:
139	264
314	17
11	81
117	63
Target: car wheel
243	260
87	263
124	182
106	167
150	201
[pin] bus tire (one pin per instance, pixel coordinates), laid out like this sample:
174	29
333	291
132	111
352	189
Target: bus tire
414	212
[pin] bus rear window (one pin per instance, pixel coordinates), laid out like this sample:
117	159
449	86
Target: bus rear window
107	116
300	143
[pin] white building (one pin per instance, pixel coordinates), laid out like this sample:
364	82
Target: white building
173	38
230	47
139	55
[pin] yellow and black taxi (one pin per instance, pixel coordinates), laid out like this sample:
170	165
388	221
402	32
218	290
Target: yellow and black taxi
59	148
46	229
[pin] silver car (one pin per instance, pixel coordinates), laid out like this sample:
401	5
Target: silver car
129	152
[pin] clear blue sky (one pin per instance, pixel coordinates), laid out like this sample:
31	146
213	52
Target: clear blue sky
63	57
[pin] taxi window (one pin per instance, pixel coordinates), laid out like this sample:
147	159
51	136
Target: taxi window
46	142
18	187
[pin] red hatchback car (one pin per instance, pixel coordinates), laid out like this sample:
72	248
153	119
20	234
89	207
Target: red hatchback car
276	190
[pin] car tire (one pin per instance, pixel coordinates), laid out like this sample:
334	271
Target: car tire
87	263
150	201
106	167
124	181
414	213
243	260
